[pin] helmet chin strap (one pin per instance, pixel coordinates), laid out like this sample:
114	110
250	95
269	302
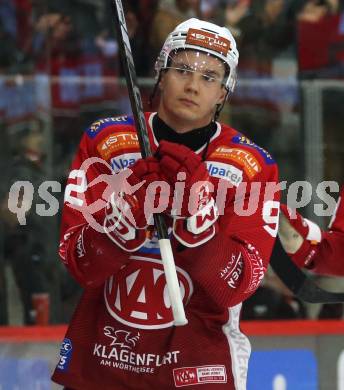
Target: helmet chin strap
219	107
152	95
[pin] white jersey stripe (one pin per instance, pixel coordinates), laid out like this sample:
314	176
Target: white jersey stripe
239	346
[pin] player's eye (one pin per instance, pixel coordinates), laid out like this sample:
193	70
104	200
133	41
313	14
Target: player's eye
184	69
208	78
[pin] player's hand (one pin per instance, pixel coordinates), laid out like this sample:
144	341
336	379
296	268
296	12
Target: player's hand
187	173
194	210
299	236
128	209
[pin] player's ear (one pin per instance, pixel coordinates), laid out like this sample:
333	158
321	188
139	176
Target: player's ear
222	96
161	81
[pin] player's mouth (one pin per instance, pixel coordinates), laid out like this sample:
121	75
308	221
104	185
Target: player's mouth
188	102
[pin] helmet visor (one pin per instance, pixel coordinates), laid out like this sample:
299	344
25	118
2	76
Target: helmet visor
189	63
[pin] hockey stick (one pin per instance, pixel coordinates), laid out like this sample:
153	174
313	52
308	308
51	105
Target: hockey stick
137	108
297	281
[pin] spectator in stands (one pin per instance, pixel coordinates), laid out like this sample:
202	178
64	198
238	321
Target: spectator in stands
231	13
25	245
320	36
56	47
262	29
106	41
169	14
55	34
314	10
263	34
9	52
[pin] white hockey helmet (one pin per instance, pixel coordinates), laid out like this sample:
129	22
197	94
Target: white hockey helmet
206	37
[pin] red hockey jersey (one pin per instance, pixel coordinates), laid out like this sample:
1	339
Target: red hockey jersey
122	335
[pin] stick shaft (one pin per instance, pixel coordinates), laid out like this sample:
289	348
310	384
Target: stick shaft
139	118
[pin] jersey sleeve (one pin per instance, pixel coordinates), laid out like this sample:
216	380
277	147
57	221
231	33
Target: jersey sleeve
85	249
231	265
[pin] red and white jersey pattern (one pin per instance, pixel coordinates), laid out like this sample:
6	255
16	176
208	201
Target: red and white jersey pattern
122	335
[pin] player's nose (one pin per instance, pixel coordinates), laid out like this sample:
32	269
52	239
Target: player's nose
192	83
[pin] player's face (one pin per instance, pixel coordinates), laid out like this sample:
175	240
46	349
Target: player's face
191	88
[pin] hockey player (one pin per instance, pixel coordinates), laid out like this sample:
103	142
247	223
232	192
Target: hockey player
122	335
311	247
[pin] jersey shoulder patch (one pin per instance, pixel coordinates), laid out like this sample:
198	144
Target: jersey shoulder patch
242	140
101	124
243	158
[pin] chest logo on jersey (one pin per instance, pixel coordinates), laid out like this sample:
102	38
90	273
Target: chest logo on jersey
100	124
225	171
124	161
117	142
242	140
138	296
242	157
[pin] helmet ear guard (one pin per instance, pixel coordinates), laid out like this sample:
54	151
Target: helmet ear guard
195	34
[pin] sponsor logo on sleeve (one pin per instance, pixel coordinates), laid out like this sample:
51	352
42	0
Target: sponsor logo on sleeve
65	355
117	142
242	140
242	157
124	161
188	376
232	271
100	124
225	171
257	270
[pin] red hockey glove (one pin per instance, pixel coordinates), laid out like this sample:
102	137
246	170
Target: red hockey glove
181	166
192	196
129	210
299	236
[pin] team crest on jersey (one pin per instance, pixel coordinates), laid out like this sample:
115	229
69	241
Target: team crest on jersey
100	124
241	156
121	338
138	296
242	140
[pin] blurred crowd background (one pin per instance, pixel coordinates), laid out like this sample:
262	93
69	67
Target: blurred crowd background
60	71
